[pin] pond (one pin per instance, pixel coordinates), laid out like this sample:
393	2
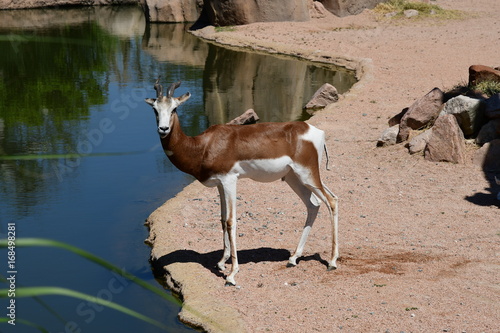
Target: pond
80	159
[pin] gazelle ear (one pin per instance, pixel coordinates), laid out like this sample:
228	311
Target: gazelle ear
150	101
183	98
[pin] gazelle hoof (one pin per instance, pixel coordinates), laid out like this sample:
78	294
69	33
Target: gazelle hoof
331	268
289	265
230	282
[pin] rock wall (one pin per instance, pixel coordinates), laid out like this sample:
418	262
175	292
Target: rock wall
17	4
237	12
172	10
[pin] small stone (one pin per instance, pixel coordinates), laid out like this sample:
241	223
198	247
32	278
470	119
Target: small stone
411	13
388	137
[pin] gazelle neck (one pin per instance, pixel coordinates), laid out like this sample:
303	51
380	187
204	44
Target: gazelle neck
182	150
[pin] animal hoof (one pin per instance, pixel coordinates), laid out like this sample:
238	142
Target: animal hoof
290	265
331	268
229	284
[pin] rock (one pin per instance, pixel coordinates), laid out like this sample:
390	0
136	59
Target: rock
325	95
238	12
349	7
421	113
468	112
489	132
397	118
446	143
492	107
410	13
418	143
488	156
391	14
317	10
172	10
248	117
480	73
388	137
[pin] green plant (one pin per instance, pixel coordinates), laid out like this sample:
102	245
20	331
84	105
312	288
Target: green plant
35	292
226	28
489	88
425	9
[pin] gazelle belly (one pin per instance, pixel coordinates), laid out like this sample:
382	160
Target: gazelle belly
263	170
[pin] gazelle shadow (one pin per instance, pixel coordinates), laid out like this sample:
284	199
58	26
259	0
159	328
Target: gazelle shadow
209	260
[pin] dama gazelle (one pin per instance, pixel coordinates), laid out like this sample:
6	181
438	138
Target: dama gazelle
264	152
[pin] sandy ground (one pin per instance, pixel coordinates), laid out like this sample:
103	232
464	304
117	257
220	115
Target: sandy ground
419	241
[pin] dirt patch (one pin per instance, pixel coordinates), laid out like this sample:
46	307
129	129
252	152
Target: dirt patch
419	241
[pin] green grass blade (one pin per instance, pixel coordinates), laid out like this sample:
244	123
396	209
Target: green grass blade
48	291
25	322
27	242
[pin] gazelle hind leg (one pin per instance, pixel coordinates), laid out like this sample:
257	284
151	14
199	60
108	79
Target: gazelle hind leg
334	215
331	202
312	205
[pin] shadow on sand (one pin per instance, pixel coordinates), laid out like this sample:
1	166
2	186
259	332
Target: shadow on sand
209	260
491	169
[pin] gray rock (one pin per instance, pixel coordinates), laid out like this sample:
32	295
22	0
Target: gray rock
446	143
388	137
325	95
418	143
468	112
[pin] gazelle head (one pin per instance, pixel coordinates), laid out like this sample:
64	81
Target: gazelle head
165	106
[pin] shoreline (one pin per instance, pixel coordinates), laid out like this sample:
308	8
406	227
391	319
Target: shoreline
364	193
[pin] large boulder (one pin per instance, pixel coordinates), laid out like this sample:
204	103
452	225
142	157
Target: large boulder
349	7
421	113
248	117
325	95
480	73
238	12
446	143
468	112
172	10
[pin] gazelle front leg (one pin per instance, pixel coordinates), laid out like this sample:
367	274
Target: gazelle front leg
225	238
228	200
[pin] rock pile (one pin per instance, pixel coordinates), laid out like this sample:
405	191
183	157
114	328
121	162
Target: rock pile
438	124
